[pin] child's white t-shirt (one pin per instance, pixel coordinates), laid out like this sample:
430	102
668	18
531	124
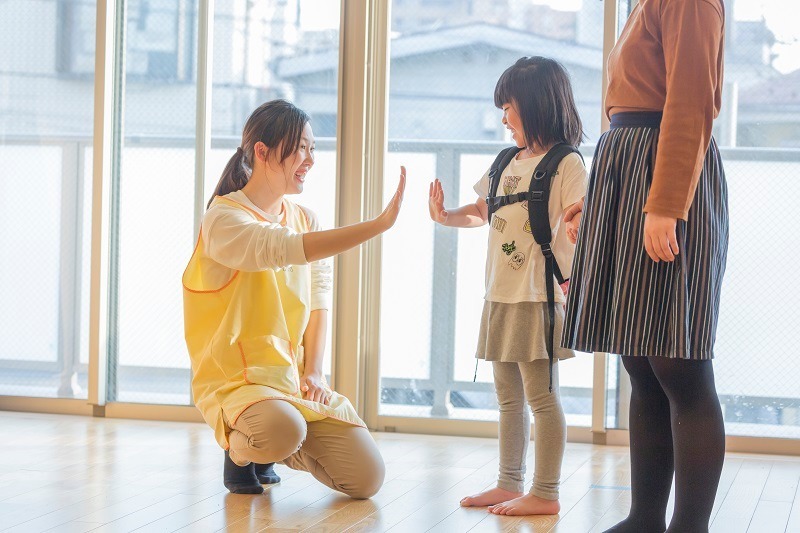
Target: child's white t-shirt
514	262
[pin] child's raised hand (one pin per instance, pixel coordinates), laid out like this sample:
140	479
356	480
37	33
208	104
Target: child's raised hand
389	215
436	202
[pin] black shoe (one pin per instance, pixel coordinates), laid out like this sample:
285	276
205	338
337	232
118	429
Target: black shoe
266	474
240	479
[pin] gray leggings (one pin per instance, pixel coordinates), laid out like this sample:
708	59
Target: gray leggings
514	382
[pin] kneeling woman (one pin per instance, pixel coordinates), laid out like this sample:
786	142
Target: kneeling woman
255	299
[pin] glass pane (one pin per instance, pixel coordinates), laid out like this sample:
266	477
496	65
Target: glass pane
446	58
298	41
155	212
756	367
46	114
759	134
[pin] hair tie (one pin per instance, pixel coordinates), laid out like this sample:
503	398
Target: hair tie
239	151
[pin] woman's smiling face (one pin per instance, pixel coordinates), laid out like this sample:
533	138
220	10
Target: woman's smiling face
301	162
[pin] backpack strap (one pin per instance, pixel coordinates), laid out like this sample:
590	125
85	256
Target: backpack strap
495	172
539	192
539	217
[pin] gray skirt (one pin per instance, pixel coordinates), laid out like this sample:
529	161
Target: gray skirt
622	302
515	333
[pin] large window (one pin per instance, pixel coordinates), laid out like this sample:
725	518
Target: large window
445	61
257	56
45	157
445	58
153	203
758	130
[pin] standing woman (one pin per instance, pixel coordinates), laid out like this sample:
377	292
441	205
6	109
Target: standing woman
255	312
651	255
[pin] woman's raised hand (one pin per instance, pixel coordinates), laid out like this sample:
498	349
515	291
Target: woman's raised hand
321	244
436	202
389	215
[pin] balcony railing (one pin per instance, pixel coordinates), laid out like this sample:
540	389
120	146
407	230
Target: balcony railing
59	371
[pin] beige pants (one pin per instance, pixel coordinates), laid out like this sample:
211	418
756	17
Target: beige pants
342	456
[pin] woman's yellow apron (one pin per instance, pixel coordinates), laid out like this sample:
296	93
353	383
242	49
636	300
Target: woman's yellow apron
245	336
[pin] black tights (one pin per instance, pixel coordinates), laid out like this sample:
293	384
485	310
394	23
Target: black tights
675	426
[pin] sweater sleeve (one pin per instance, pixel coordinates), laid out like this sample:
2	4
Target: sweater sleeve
321	272
691	34
236	240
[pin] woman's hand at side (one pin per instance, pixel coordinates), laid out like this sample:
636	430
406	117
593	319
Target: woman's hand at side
660	239
314	388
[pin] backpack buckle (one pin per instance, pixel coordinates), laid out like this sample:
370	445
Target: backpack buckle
547	251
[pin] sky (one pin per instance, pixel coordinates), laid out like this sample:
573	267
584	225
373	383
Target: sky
782	18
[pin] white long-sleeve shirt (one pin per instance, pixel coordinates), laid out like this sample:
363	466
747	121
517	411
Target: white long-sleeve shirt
236	241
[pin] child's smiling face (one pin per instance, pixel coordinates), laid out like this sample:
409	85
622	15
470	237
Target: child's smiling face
512	121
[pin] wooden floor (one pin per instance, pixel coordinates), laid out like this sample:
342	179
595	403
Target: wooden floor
74	474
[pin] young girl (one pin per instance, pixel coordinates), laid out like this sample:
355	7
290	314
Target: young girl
256	316
535	95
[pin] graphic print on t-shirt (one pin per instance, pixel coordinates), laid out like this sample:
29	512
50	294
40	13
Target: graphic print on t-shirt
517	260
498	223
515	265
510	184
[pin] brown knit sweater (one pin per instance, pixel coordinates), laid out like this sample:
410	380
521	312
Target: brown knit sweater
669	58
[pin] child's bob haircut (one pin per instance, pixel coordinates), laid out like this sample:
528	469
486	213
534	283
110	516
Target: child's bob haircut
541	92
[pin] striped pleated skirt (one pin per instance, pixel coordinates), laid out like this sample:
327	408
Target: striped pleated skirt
621	301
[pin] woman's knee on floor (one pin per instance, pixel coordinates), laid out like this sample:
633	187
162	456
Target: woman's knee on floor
368	480
275	430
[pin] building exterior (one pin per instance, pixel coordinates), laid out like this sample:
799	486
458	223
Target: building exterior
446	56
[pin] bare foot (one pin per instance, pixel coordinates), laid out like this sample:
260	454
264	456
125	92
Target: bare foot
526	505
489	497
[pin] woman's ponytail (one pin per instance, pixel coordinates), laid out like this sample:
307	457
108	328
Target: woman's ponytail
234	177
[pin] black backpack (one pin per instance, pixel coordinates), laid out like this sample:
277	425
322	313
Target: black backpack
538	197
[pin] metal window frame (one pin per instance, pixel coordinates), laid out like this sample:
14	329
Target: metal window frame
370	299
101	200
361	139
